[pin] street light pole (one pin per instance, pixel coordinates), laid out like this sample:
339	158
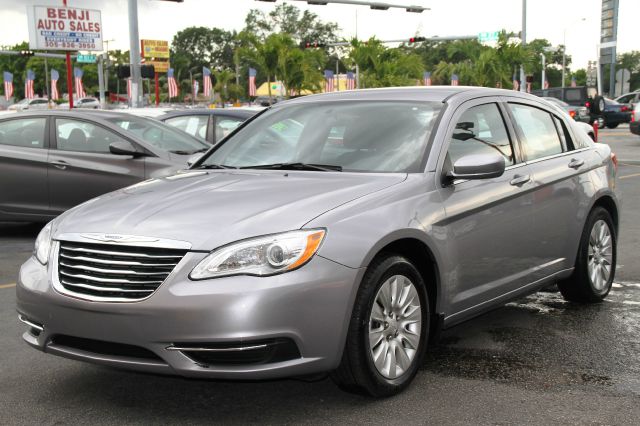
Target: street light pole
544	69
523	85
134	53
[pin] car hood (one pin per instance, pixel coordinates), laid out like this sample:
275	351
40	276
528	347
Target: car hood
212	208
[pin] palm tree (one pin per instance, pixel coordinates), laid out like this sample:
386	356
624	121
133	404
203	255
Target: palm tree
263	55
223	77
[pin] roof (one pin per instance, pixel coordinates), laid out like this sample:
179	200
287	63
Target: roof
228	112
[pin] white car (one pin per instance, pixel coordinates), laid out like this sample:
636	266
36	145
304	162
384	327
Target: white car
84	103
30	104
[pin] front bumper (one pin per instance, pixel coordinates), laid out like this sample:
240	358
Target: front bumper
310	307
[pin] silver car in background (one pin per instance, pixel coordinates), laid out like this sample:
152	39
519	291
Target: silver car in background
331	233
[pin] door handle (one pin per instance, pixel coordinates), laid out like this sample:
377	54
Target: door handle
575	163
62	165
520	179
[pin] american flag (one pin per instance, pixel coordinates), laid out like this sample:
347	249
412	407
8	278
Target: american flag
426	78
328	84
28	85
78	73
129	88
8	85
573	82
351	81
55	76
546	84
206	82
173	86
516	83
528	87
454	79
252	82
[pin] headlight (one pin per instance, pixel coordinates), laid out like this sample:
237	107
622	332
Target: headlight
261	256
43	244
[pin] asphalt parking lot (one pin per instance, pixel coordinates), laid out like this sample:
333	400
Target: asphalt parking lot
538	360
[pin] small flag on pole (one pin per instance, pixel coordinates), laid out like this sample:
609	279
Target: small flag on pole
129	88
426	78
546	83
351	81
454	79
252	82
55	76
206	82
573	82
328	85
8	85
528	87
78	73
173	86
516	83
28	85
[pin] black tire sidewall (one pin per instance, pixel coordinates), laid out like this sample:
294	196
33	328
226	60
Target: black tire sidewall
597	214
392	265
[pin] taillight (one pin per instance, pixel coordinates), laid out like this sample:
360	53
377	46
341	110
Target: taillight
633	116
614	160
572	113
624	108
587	104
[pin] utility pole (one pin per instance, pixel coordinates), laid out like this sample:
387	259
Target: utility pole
544	70
523	84
101	82
134	54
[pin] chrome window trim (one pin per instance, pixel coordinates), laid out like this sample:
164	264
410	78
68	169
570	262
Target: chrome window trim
562	154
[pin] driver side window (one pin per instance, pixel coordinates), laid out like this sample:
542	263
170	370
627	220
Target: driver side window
82	136
481	130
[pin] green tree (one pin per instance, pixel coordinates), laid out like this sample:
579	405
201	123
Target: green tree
265	56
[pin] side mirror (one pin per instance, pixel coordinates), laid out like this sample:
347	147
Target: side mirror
123	148
478	166
193	159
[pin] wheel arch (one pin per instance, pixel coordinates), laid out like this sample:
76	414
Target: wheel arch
607	202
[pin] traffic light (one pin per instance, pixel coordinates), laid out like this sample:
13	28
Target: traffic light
416	39
311	44
27	53
123	71
147	71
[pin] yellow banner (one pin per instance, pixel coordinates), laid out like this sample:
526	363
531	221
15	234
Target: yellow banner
155	49
158	66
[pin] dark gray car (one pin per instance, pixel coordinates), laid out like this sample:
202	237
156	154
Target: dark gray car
51	161
332	233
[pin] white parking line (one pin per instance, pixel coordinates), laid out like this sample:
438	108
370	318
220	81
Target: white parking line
8	285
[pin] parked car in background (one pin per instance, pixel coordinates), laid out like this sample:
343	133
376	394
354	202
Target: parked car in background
614	114
578	113
629	99
82	103
211	125
150	112
266	101
634	125
51	161
30	104
562	107
338	248
579	97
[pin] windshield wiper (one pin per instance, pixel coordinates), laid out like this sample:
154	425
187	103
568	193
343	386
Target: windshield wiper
215	166
179	152
297	166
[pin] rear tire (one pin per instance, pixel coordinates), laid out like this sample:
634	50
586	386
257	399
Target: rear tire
388	332
595	265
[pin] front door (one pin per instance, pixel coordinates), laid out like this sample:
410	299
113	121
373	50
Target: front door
488	221
81	166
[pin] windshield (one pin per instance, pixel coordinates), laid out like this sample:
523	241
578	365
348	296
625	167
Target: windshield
372	136
160	135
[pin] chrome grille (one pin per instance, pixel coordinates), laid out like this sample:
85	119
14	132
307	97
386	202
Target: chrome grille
110	271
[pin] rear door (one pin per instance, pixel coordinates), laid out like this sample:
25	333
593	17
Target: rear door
81	166
23	166
488	220
557	162
198	125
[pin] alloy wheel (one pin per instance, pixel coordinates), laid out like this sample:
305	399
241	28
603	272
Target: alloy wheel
395	326
600	255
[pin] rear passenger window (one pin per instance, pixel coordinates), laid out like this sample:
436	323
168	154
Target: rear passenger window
480	130
537	131
26	132
195	125
81	136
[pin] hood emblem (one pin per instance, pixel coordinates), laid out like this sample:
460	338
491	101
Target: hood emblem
117	238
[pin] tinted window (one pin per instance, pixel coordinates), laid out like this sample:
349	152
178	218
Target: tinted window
226	125
81	136
481	130
195	125
384	136
537	131
27	132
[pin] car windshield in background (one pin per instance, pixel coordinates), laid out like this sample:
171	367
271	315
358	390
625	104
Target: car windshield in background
160	135
372	136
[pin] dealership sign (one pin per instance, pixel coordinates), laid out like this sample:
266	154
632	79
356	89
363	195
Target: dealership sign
64	28
155	49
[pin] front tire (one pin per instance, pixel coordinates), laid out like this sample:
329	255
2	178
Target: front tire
612	126
388	332
596	261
